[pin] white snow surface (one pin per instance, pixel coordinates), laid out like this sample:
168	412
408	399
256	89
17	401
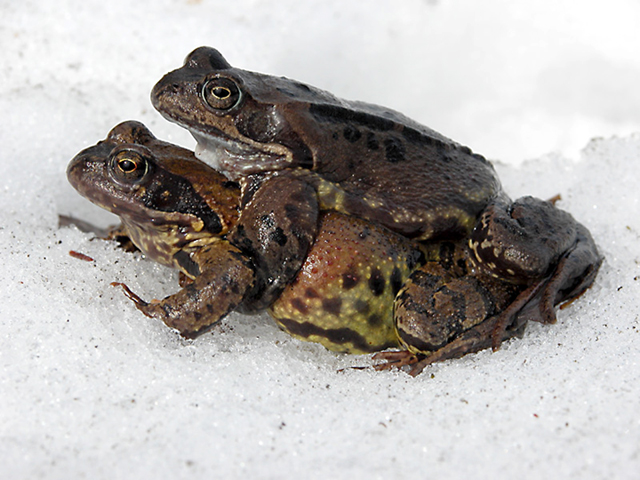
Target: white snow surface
91	388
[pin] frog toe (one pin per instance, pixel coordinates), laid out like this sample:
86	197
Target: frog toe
141	304
395	359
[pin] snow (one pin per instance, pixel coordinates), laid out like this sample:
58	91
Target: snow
90	388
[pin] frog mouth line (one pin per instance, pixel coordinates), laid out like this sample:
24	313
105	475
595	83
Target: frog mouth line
214	144
232	158
227	155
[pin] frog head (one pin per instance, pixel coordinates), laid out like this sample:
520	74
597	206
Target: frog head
244	122
167	200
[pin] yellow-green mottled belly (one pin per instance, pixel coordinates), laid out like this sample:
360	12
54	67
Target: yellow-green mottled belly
343	296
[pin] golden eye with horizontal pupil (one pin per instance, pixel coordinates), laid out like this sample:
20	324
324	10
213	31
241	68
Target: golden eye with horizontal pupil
129	166
221	93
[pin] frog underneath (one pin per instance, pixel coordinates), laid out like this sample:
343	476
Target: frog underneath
361	288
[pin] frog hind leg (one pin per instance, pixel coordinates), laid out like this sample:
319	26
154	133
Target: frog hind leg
532	241
439	316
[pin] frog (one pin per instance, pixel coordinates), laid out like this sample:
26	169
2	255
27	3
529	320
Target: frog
372	162
362	159
360	286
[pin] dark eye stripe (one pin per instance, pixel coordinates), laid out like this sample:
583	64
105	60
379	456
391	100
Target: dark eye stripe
173	193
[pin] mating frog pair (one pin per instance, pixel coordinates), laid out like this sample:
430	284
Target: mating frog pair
355	226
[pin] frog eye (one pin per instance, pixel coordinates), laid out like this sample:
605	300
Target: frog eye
128	167
221	93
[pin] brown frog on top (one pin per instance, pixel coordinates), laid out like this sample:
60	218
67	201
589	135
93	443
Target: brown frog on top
372	162
352	292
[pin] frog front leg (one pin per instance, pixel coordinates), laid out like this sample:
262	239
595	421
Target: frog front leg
221	275
531	242
277	226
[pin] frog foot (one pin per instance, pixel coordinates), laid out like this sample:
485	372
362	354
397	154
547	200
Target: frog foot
573	275
395	359
478	338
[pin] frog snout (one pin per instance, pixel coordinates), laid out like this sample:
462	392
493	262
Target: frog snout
75	169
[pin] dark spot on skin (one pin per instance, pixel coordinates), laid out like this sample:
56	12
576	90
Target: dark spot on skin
372	141
336	114
349	280
311	293
364	233
300	305
394	150
339	336
335	136
278	236
240	231
361	307
374	320
332	305
396	281
351	134
197	316
377	282
209	308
